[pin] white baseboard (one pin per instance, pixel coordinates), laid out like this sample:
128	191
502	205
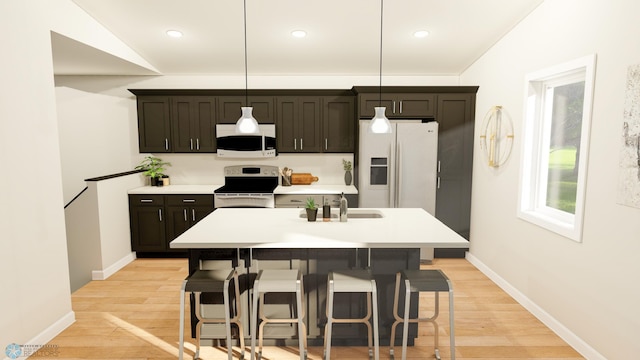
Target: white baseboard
562	331
47	335
104	274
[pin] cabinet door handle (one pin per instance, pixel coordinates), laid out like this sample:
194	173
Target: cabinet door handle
184	211
166	144
193	214
190	144
438	186
160	214
296	201
295	144
394	107
188	200
438	166
301	144
400	106
146	200
197	143
326	144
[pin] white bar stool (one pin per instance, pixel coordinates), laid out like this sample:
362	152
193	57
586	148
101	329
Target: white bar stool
422	281
281	281
353	281
212	281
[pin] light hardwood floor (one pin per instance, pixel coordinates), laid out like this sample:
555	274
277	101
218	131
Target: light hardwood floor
135	314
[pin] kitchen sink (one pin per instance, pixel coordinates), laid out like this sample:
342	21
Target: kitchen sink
351	214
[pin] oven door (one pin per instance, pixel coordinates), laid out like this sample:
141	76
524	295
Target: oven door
238	200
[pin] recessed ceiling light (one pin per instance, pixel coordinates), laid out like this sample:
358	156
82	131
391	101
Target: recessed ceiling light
174	33
421	33
299	33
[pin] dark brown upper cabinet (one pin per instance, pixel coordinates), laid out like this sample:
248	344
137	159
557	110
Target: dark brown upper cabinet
154	124
298	124
229	109
399	105
193	120
338	124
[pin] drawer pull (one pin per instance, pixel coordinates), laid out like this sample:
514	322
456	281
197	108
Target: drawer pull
146	200
188	200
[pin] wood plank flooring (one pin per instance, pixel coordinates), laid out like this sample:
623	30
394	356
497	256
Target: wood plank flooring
135	314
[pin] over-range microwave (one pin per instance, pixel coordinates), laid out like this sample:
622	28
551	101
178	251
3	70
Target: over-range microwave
232	145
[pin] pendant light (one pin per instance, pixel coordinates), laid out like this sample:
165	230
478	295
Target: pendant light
247	124
380	124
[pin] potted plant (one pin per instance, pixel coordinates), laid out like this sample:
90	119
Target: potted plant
346	165
312	209
153	168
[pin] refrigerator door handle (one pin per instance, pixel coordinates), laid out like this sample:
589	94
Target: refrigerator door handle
392	183
398	172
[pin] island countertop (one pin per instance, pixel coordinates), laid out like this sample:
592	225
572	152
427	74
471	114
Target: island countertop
282	228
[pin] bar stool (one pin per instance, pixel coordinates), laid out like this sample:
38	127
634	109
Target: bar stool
278	281
422	281
353	281
212	281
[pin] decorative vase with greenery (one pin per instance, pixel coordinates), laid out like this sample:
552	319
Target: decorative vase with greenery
346	165
153	168
312	209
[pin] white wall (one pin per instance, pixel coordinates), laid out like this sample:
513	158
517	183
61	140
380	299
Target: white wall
589	287
33	270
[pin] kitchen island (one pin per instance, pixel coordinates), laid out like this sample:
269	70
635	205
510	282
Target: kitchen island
386	240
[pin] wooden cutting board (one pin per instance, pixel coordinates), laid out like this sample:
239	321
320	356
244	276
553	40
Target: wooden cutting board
302	179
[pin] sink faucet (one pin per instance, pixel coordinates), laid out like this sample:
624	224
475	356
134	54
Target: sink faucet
343	208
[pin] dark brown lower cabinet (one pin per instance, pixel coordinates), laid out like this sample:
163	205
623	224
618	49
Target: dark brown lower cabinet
156	220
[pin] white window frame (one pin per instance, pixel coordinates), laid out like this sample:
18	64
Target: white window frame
535	156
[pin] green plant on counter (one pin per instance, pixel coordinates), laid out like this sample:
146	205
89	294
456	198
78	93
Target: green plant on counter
311	203
153	167
346	165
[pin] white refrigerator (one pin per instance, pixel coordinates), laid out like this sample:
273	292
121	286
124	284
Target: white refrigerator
399	170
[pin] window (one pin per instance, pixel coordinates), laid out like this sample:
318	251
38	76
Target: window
556	142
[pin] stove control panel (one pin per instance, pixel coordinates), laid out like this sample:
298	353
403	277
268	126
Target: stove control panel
251	170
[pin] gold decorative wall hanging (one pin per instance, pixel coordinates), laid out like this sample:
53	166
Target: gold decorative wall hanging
496	136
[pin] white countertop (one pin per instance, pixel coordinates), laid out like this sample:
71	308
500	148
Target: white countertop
285	228
209	189
316	189
174	189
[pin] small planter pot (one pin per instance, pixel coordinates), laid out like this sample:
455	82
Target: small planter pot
312	214
348	177
154	181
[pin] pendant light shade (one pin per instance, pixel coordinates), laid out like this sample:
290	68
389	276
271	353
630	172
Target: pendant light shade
247	124
380	124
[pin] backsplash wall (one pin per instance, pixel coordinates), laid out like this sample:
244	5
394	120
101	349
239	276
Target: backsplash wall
205	169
